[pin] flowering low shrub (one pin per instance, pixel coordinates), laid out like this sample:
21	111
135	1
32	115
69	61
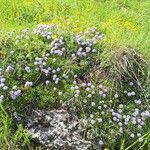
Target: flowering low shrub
49	68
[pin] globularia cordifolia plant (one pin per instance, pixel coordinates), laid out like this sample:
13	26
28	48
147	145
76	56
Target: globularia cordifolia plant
38	62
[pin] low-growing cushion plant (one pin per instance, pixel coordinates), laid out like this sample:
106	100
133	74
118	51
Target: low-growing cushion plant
48	68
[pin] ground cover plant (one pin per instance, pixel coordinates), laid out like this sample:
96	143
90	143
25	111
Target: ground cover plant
50	66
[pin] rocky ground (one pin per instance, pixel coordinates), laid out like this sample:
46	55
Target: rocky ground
57	129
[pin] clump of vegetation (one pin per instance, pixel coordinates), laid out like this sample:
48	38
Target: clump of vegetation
48	68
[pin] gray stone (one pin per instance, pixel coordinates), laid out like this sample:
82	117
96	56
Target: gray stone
56	129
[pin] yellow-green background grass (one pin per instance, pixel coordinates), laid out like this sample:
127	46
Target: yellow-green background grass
125	22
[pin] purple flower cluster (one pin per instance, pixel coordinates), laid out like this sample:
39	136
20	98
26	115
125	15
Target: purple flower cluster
15	93
99	110
45	30
57	46
86	42
51	70
42	65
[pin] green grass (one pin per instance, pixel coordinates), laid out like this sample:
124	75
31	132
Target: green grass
9	137
125	22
